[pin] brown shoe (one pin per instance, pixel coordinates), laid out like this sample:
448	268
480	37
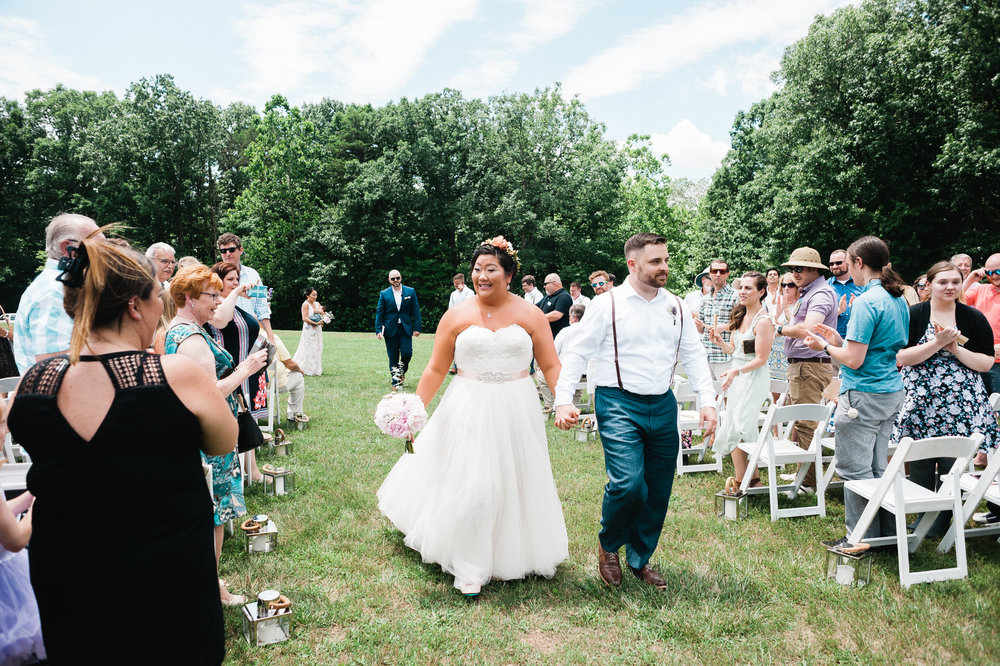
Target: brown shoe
609	566
648	575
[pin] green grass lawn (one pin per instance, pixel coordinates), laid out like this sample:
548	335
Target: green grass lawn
746	592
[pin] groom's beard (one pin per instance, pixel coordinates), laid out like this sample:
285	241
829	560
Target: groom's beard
655	279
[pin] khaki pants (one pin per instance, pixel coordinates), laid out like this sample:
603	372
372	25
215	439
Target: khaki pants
806	382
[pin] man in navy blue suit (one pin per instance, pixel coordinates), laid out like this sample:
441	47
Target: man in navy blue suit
397	318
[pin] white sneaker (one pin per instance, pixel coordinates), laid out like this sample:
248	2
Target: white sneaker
787	477
986	518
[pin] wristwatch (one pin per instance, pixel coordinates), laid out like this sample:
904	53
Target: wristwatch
826	348
779	330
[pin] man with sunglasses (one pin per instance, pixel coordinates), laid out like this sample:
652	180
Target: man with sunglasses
231	250
986	299
397	320
809	372
42	327
600	282
843	285
714	311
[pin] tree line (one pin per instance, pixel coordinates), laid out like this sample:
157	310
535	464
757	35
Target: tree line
885	122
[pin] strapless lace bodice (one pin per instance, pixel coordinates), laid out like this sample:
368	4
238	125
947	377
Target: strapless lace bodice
484	353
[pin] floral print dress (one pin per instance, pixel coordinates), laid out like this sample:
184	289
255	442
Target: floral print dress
944	397
227	481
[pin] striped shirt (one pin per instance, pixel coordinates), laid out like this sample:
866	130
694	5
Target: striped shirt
258	305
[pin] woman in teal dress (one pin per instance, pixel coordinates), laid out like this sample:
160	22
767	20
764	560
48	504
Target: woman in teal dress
196	293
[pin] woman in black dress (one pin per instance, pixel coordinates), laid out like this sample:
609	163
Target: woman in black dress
121	553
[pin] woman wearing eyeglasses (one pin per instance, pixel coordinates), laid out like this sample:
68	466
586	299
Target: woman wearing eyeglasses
197	294
784	310
923	288
945	393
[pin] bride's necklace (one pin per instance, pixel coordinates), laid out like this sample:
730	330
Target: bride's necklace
489	315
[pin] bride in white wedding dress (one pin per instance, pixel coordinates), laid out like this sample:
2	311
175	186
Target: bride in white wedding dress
477	495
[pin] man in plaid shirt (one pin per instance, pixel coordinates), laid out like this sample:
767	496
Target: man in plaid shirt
714	311
42	327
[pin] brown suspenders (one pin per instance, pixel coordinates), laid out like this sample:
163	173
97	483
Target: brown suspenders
614	335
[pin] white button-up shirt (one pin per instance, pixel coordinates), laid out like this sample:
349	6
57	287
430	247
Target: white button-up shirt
648	334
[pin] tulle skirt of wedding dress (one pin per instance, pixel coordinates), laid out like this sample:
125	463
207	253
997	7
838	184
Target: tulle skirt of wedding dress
477	495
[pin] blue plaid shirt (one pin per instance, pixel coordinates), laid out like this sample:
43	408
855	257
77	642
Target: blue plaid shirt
720	303
42	325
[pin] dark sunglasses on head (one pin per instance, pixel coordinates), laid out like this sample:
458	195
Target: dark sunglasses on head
921	285
227	250
992	273
719	271
797	269
836	263
787	285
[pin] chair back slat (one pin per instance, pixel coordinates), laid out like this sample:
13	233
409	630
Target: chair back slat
941	447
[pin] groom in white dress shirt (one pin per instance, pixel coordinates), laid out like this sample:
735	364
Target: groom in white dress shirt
636	332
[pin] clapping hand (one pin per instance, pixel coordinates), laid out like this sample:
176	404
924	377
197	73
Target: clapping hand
830	333
844	304
946	337
815	341
714	336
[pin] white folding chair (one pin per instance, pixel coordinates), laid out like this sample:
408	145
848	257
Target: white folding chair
772	452
978	487
897	494
689	418
8	384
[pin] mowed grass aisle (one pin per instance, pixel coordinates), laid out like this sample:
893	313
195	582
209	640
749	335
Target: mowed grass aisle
748	592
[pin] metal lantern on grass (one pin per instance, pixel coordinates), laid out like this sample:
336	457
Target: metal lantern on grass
587	430
282	445
731	503
260	533
267	620
849	564
277	480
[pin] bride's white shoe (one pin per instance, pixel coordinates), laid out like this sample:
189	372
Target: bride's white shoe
470	589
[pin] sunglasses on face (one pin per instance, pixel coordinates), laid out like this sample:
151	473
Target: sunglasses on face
797	269
598	284
836	263
719	271
992	273
788	285
397	279
227	250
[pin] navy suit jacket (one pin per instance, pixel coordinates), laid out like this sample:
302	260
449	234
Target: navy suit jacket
407	316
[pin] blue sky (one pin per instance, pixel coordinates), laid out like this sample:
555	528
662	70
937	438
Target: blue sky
678	71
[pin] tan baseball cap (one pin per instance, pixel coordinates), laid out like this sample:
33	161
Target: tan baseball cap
806	256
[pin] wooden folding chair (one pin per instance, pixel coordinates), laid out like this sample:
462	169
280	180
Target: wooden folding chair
771	452
895	493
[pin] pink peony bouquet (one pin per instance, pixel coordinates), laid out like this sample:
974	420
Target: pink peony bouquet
401	415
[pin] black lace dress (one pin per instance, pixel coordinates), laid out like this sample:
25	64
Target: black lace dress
122	553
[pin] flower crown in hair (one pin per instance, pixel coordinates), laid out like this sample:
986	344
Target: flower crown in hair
506	246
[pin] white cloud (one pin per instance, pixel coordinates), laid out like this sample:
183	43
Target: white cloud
752	72
543	21
652	52
691	151
29	63
354	50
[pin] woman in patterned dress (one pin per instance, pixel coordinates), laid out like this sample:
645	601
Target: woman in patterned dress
196	293
945	394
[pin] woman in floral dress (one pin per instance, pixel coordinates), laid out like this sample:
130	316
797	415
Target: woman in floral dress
945	394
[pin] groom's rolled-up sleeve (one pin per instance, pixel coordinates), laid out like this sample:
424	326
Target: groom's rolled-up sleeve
583	346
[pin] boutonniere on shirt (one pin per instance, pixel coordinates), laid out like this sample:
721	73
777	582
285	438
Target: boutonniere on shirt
673	312
405	297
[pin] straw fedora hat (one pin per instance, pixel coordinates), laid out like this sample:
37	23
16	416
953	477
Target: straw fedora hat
806	256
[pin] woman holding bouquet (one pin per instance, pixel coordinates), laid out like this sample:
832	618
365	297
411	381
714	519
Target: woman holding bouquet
477	496
309	355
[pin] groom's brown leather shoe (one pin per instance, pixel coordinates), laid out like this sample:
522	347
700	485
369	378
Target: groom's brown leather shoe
609	566
648	575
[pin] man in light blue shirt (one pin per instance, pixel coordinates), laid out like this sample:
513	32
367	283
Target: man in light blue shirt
231	250
843	285
42	327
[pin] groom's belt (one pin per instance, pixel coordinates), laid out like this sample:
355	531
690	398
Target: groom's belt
493	377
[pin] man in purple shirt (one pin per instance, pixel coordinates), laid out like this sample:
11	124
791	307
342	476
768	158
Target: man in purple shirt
809	372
